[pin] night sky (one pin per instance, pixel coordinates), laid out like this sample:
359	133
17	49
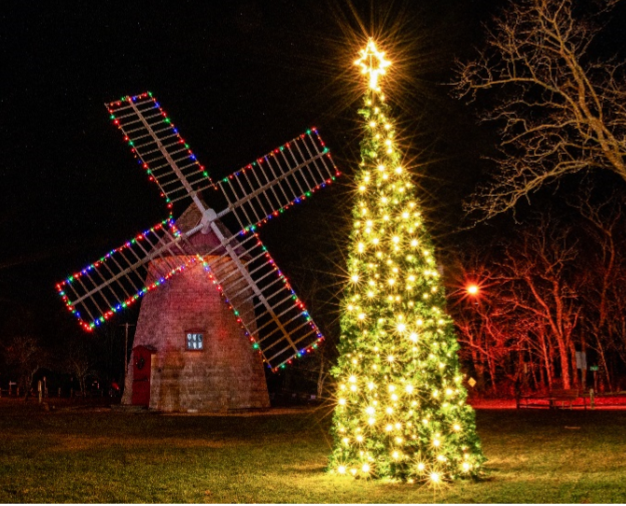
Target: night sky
238	78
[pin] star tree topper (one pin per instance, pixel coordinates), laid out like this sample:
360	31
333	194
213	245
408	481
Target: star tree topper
372	62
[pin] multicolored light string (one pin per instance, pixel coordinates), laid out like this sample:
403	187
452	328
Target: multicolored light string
62	286
259	162
297	301
140	160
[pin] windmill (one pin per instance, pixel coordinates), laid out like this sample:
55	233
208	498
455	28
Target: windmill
261	299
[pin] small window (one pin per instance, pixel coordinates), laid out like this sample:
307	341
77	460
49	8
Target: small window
195	341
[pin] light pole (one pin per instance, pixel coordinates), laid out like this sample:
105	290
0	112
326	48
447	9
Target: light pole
126	325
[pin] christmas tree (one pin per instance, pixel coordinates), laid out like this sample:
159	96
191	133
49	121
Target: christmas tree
401	410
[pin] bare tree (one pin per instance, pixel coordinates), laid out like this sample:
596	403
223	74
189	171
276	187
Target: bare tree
25	357
484	327
537	267
522	328
561	111
602	279
617	326
79	360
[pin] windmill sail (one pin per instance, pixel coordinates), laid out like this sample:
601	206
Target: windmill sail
159	148
281	178
120	277
276	321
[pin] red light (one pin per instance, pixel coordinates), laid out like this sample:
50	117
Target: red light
472	289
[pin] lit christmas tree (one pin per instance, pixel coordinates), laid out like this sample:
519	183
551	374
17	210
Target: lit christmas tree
401	411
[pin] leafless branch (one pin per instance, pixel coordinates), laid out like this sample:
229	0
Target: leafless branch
561	113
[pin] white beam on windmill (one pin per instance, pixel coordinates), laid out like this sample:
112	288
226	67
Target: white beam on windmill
192	193
126	325
246	276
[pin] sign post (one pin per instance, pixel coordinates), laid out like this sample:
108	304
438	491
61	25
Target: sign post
581	363
594	370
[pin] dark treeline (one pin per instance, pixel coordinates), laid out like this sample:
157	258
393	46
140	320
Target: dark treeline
46	347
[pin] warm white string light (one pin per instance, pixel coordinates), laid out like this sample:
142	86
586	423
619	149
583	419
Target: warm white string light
401	408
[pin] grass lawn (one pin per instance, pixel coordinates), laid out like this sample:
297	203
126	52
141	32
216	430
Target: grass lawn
83	455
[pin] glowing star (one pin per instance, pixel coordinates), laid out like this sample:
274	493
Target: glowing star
372	62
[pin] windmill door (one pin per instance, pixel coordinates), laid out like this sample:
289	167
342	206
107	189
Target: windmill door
142	363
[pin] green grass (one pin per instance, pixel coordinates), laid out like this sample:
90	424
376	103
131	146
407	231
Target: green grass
109	457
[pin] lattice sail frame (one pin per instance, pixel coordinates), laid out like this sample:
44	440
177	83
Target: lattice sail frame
277	322
158	146
279	326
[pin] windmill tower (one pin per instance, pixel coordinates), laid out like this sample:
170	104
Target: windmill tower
187	355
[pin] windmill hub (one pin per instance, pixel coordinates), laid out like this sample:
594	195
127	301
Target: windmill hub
207	218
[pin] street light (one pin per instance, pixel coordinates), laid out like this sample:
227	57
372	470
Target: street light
472	289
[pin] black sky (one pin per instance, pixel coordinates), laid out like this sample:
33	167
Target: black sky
238	78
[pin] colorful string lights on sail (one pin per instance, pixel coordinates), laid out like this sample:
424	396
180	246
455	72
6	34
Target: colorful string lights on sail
63	286
297	301
149	171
